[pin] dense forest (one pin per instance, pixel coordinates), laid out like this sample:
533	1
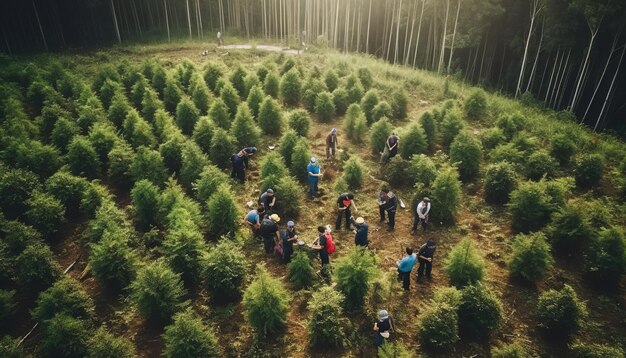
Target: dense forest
565	54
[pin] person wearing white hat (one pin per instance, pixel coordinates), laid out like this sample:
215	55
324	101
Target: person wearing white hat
360	237
269	232
382	327
422	214
288	237
331	143
313	170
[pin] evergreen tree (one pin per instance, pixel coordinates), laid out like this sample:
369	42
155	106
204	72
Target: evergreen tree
65	297
466	151
353	172
271	84
464	265
193	161
530	257
201	98
560	313
203	133
300	272
145	198
299	121
222	147
171	95
369	101
476	105
446	196
183	246
399	103
237	78
224	271
82	158
186	115
480	311
188	336
267	303
45	213
324	107
340	99
222	213
157	292
270	117
299	160
500	181
229	95
148	164
210	178
414	141
219	114
327	326
379	133
290	85
212	73
103	344
451	125
111	259
355	273
244	129
287	143
331	79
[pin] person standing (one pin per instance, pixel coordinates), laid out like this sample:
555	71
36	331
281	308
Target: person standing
388	202
325	245
289	236
392	145
382	327
405	266
331	143
345	202
220	42
360	237
267	200
253	219
314	173
269	232
422	214
425	257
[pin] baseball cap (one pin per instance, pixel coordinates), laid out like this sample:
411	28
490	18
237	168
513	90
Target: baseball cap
383	314
291	223
270	191
275	217
313	160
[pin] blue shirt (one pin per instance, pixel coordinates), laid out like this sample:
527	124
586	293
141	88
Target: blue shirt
407	263
315	169
253	217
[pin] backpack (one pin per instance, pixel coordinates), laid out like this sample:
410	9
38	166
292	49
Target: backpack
330	245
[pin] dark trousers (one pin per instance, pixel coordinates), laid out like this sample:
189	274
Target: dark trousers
341	213
379	339
381	210
287	252
239	173
406	279
268	244
392	218
416	222
424	264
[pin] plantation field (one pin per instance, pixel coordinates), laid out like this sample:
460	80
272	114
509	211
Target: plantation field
121	227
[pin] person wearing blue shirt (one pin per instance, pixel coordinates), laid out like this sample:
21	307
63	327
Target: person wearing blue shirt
360	238
313	170
253	219
405	266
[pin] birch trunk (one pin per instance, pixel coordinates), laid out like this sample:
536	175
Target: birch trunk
43	36
167	22
595	91
456	22
117	30
443	38
395	54
532	72
369	21
606	100
419	31
535	10
582	73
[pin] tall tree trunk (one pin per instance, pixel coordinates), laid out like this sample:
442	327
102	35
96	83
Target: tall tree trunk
456	22
117	30
419	32
369	21
556	60
606	66
443	38
188	18
534	11
393	16
407	47
43	36
167	22
532	72
395	54
564	72
606	100
584	69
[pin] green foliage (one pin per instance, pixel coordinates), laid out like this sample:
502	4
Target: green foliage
36	268
606	261
210	178
244	129
355	273
511	124
355	89
299	160
560	313
68	189
251	80
300	272
379	133
16	185
299	121
540	164
63	132
171	95
255	97
500	181
438	327
451	125
188	336
507	152
562	148
365	77
137	131
530	207
393	350
148	164
589	170
396	172
64	336
476	105
145	198
118	110
137	91
186	115
427	121
327	326
287	143
480	311
331	80
90	113
340	100
270	117
222	147
237	78
382	110
414	141
570	230
464	264
202	134
201	98
530	257
399	102
594	350
229	95
224	271
183	246
271	84
65	297
120	159
159	80
492	138
219	114
222	213
82	158
150	104
193	161
267	303
103	344
290	85
45	213
324	107
353	172
111	259
350	120
157	292
16	237
311	90
212	73
7	305
446	196
422	169
466	151
513	350
368	102
103	138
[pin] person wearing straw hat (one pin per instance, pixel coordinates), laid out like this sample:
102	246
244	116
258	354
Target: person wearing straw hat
269	232
288	237
382	327
421	214
360	237
331	143
314	174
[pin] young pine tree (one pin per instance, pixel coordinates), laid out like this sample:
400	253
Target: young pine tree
589	170
171	95
414	141
193	161
208	182
157	292
560	313
189	336
229	95
399	103
145	198
244	129
222	213
464	265
340	99
446	196
103	344
255	97
148	164
466	151
300	272
271	84
327	326
270	117
267	303
238	80
476	105
287	143
112	260
222	147
480	311
202	134
299	160
530	207
224	271
186	115
212	73
65	336
606	261
451	125
438	327
219	114
36	268
354	273
65	297
45	213
379	133
299	121
324	107
290	85
353	172
530	257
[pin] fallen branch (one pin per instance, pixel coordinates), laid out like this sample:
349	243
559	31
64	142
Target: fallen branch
27	334
71	265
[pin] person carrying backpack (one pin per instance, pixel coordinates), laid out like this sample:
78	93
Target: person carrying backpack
269	232
382	327
425	257
326	246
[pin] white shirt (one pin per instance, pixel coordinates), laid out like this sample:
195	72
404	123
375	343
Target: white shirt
420	209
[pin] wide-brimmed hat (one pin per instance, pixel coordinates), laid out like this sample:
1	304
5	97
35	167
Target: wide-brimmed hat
383	314
275	217
359	220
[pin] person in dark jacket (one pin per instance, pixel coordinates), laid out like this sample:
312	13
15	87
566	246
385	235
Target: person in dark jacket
360	238
240	161
320	245
269	232
382	327
331	143
267	200
425	257
387	202
345	203
289	236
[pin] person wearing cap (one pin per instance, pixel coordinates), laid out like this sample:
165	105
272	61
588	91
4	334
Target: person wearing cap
405	266
314	174
288	237
269	232
267	200
331	143
387	202
422	214
425	257
345	202
253	219
382	327
320	245
360	237
240	161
